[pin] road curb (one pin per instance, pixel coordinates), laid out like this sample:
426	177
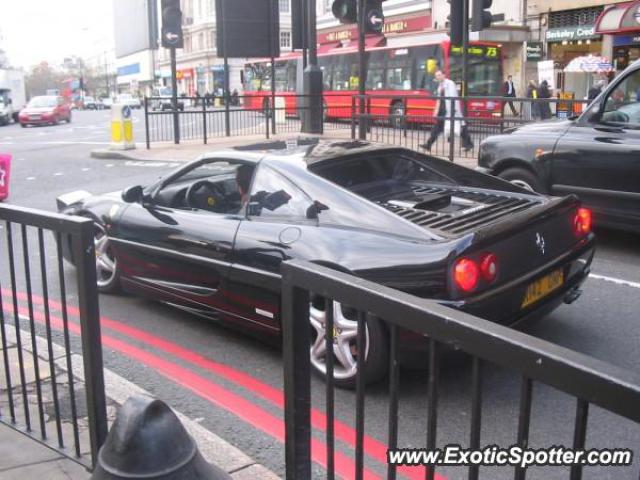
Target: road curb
106	154
214	449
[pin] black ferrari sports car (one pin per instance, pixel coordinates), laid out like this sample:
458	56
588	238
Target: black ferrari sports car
391	215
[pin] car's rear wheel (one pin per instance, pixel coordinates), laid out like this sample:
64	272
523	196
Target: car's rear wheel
522	178
346	358
107	271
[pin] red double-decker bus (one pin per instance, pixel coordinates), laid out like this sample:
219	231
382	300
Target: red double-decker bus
392	73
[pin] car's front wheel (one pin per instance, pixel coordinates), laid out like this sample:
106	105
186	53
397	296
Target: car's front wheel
346	357
522	178
107	271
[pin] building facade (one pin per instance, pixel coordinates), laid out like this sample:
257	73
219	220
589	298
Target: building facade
199	68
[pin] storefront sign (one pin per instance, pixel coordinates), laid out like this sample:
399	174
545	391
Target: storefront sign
534	51
391	26
571	33
623	40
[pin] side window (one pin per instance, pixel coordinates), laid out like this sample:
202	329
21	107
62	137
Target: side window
622	104
273	196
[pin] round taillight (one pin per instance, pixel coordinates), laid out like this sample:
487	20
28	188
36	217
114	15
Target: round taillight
582	222
466	274
489	267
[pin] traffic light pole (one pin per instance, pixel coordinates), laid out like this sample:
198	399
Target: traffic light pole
362	73
174	97
312	79
465	53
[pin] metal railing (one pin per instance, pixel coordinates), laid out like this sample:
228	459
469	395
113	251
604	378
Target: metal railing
589	381
44	400
485	116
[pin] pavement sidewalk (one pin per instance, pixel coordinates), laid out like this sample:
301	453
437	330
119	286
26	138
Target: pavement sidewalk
24	458
190	150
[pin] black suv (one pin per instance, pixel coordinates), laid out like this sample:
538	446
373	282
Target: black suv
595	155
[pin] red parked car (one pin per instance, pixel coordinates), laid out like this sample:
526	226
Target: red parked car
45	110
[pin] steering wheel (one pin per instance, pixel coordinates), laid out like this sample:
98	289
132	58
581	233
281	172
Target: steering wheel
215	196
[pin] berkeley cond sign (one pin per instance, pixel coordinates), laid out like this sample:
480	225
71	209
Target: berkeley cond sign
584	32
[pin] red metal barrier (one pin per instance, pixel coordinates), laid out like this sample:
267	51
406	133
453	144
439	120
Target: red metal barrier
5	169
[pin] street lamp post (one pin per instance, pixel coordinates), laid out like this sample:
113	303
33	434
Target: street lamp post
312	78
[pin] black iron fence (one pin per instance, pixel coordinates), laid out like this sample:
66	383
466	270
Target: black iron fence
204	119
587	380
414	123
399	120
40	396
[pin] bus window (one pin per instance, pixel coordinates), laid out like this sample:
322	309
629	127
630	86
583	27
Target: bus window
375	70
425	59
484	70
344	70
326	65
398	70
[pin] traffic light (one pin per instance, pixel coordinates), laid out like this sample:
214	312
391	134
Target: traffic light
456	21
374	18
171	24
480	15
346	11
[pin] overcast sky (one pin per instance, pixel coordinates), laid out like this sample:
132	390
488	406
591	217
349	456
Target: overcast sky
36	30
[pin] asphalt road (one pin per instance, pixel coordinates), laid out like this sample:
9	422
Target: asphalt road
234	383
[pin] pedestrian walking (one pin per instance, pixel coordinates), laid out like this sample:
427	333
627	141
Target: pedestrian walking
531	110
509	91
595	90
447	88
543	93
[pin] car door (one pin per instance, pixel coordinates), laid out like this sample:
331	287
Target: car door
599	156
276	228
176	254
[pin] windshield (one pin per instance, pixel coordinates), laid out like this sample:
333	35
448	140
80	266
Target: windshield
42	102
88	99
125	96
484	69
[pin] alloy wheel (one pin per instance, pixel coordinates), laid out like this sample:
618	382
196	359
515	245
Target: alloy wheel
345	333
106	265
522	184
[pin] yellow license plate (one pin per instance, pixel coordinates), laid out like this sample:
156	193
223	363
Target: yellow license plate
543	287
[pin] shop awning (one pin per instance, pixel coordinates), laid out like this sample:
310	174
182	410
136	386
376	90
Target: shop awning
620	18
589	64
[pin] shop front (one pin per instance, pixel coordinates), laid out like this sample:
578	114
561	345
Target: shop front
622	22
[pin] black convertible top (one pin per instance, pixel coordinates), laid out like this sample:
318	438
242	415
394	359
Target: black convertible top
311	150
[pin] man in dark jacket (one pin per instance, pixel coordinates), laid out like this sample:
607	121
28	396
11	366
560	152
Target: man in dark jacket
509	91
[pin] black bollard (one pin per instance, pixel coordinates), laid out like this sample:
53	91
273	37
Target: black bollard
148	441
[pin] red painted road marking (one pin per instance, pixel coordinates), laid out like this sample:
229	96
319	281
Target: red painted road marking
210	391
373	448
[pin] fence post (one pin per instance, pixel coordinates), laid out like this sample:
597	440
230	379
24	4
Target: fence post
84	254
353	117
146	122
204	119
266	117
452	130
297	379
404	116
227	118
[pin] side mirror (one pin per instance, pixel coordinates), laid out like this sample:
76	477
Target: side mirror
132	194
9	101
595	115
314	210
254	209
